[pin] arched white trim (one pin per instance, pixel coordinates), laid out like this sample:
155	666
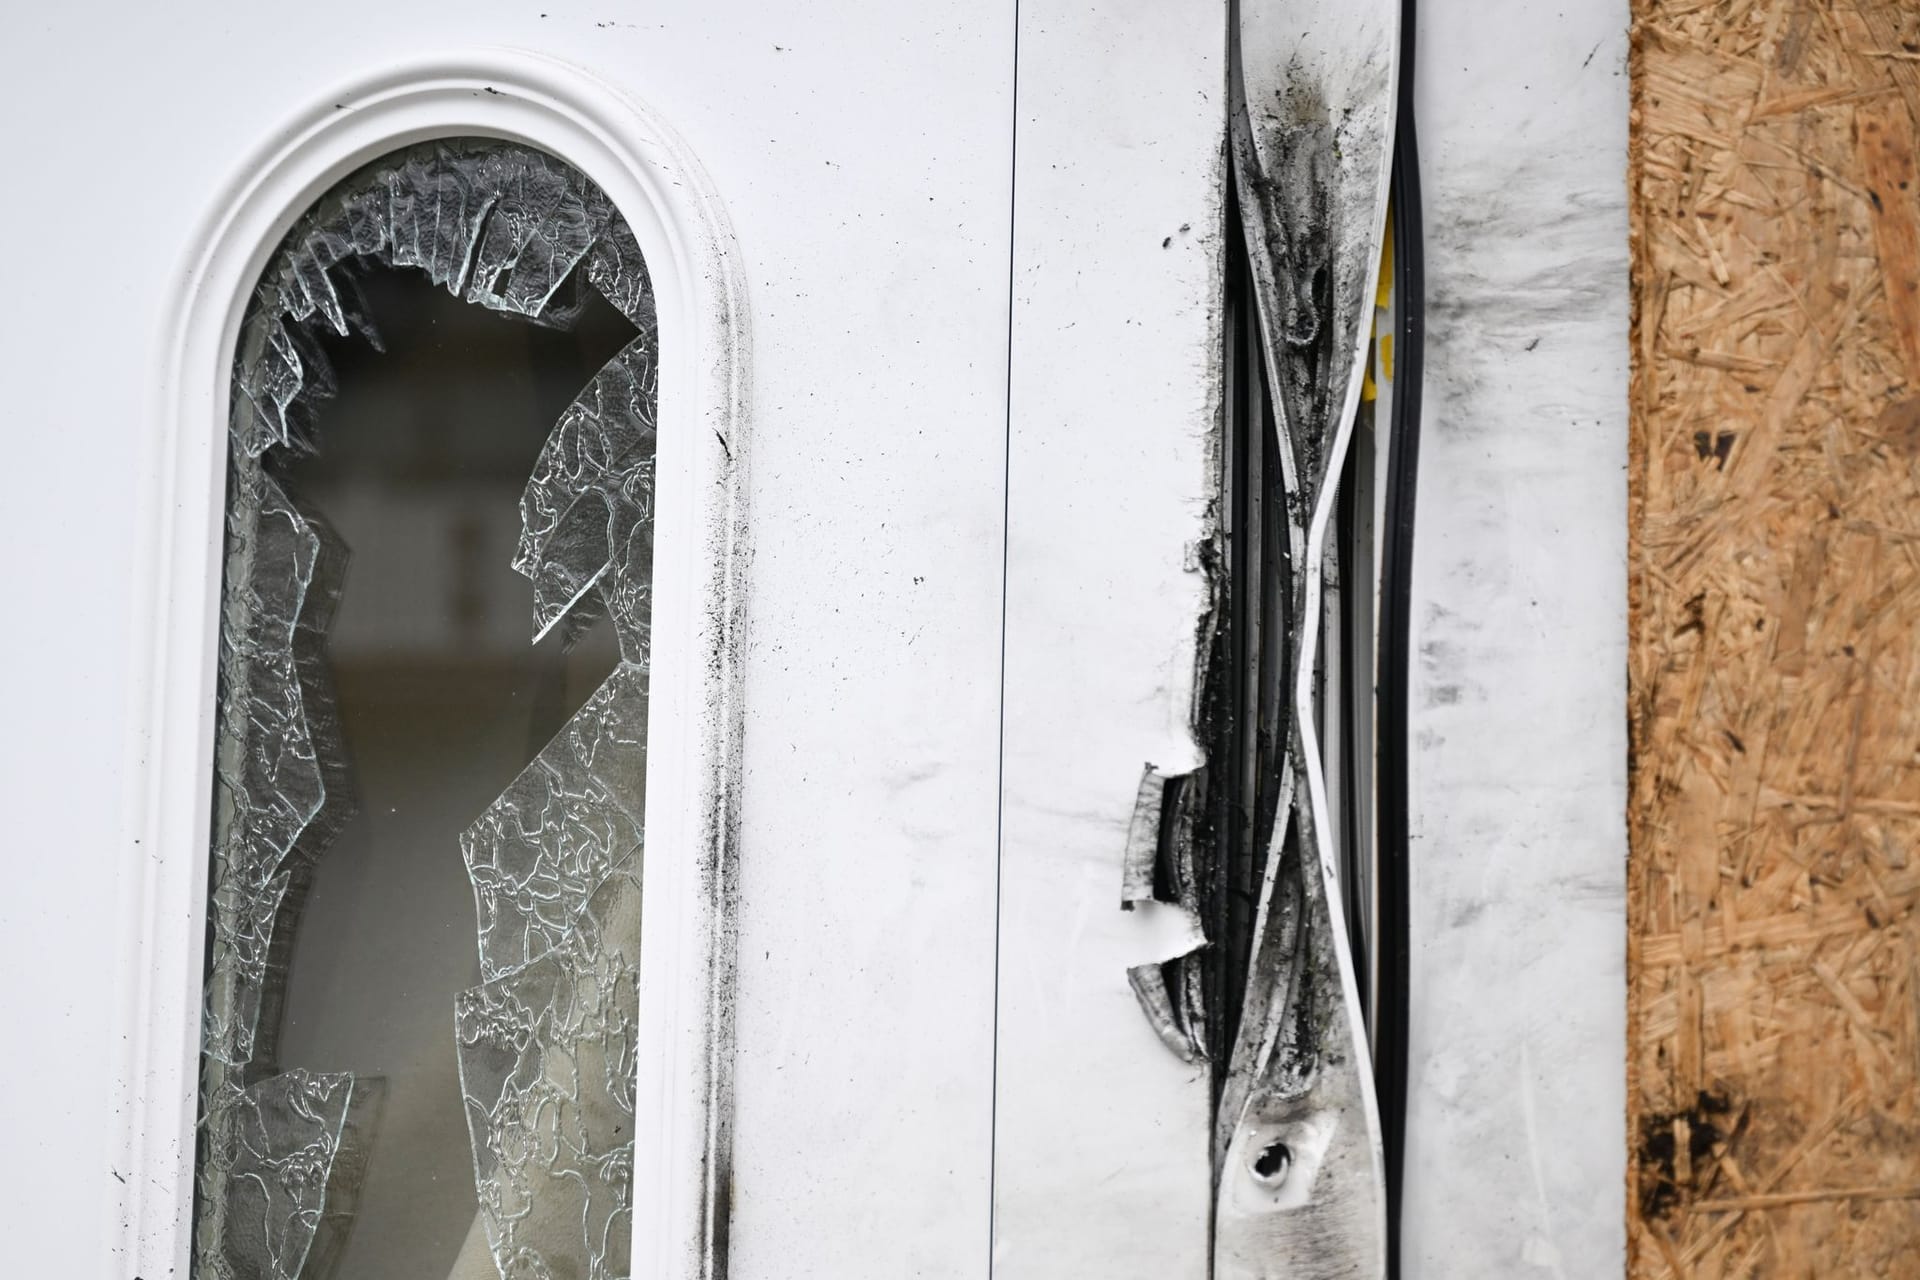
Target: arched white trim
684	1102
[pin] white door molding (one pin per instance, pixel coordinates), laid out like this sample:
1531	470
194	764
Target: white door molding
683	1132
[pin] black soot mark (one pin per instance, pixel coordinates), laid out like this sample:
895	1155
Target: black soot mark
1661	1172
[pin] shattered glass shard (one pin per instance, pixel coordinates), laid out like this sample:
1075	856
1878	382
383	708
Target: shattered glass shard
501	225
589	504
547	1073
543	848
276	772
287	1155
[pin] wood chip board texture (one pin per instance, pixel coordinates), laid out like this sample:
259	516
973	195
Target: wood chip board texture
1774	959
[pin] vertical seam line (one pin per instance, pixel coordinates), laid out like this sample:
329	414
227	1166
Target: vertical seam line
1000	769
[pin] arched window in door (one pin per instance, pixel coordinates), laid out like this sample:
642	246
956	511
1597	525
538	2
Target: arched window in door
441	447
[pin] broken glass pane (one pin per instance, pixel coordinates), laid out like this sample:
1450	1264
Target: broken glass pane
423	910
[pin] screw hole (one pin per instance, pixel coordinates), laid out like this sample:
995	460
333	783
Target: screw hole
1271	1165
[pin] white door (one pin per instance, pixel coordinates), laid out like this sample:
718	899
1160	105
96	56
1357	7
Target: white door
936	372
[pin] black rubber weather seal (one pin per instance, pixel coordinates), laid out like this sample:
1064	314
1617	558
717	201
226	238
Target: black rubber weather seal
1396	601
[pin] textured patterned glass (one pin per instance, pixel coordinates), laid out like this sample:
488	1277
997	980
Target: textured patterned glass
428	794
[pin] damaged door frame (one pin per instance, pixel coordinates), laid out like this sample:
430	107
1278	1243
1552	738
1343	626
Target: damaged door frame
683	1118
1275	1155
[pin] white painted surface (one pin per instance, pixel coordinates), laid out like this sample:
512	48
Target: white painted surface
864	160
1515	1165
1101	1133
864	157
874	217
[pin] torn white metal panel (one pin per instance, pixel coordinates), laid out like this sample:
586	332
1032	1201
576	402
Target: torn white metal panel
1516	1088
1101	1130
1301	1187
1313	86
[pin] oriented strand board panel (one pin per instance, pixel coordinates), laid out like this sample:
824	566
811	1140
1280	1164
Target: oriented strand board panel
1775	658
